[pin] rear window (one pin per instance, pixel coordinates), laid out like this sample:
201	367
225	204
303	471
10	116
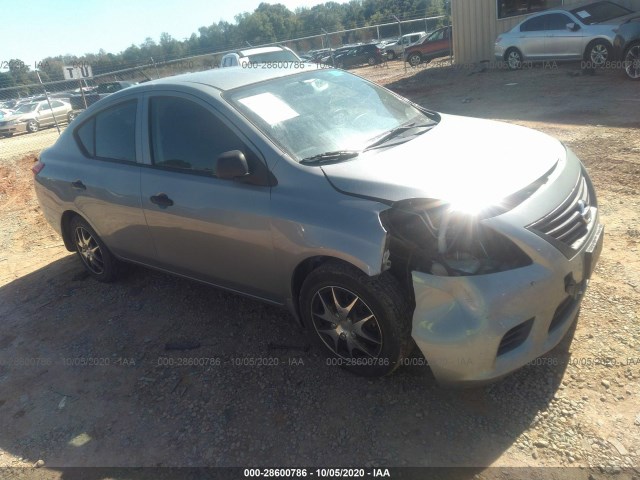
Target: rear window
281	56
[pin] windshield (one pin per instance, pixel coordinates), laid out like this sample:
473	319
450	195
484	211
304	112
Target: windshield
600	12
323	111
26	108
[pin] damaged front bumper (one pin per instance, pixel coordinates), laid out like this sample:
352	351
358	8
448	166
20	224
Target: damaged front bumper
476	329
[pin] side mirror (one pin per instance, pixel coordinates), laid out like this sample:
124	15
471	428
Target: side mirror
573	26
232	164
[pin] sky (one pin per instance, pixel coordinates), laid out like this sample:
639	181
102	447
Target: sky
35	29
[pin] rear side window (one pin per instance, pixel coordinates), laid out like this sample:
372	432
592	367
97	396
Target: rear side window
111	134
534	25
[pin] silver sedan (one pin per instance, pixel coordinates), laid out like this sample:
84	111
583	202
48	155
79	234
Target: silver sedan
585	33
363	213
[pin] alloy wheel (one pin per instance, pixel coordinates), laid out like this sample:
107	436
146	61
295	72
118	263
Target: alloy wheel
345	323
514	60
89	250
599	54
632	62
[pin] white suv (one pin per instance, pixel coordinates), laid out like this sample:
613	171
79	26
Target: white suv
259	55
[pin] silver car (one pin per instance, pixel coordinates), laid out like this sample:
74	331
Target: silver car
584	33
378	223
30	117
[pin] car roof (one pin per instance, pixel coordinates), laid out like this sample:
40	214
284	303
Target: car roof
256	51
225	78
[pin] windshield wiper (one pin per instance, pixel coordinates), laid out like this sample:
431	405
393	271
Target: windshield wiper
396	132
330	157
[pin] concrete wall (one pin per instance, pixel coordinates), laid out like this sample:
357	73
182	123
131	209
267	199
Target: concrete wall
476	26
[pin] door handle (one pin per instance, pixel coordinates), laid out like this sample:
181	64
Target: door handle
162	200
78	185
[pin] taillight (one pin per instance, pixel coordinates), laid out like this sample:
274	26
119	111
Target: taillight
37	168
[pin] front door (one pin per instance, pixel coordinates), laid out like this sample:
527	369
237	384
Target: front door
202	226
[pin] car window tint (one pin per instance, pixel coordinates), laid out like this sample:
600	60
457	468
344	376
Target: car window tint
557	21
534	25
85	134
186	135
115	129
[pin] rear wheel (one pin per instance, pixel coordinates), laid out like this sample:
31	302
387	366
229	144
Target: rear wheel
71	116
391	55
513	57
371	60
32	126
632	62
362	323
98	261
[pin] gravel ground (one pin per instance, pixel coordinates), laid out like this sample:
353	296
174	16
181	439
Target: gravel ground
144	403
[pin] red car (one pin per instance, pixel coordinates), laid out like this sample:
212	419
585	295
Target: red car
434	45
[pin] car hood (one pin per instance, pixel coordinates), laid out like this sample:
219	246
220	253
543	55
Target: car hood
18	116
460	160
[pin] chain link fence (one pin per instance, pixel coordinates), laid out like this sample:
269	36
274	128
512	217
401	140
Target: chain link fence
45	109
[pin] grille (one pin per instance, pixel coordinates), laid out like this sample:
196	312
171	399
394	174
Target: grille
569	223
515	337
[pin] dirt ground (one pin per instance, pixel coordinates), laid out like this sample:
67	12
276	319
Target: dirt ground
89	373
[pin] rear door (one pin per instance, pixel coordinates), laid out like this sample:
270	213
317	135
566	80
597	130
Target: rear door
59	110
104	180
204	227
533	37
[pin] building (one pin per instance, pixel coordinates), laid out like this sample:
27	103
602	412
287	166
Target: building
477	23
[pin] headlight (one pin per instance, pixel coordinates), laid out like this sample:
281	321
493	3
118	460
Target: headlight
432	237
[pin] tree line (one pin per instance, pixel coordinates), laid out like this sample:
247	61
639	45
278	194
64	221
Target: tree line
268	23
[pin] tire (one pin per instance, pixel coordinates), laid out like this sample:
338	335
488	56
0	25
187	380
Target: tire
415	59
7	135
371	61
597	53
391	55
71	116
340	65
513	57
632	62
96	258
361	323
32	126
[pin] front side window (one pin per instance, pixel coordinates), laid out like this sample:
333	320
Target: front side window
511	8
110	134
185	135
557	21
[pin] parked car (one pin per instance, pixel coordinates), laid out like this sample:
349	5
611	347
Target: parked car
584	33
332	53
436	44
31	117
369	54
259	55
360	211
396	49
98	92
627	47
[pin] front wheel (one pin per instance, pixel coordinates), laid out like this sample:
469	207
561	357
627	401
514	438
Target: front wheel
32	126
598	53
632	62
415	59
391	55
371	61
98	261
362	323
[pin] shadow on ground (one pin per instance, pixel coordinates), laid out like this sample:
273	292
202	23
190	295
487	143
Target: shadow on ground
86	380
